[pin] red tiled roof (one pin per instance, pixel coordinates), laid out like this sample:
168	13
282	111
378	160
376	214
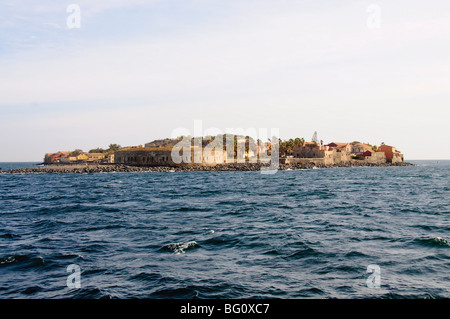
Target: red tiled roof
338	144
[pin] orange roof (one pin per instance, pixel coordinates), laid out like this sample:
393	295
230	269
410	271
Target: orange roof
338	144
311	143
366	146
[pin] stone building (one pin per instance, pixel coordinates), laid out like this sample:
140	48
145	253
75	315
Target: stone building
392	155
310	150
163	156
359	148
336	153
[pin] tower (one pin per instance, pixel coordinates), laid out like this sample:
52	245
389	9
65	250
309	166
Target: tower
314	138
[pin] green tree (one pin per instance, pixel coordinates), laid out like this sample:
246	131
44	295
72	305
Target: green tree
76	152
281	147
114	147
290	146
97	150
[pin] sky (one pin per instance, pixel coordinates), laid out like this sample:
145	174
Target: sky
135	71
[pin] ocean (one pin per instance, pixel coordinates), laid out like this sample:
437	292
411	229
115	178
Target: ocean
315	233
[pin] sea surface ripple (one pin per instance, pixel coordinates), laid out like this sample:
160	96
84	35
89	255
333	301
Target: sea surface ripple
295	234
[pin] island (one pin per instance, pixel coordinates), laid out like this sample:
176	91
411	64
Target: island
219	153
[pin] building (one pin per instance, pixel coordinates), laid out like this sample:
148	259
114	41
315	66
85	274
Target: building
162	156
359	148
335	153
110	158
72	158
53	158
64	160
310	150
392	155
82	157
95	157
340	147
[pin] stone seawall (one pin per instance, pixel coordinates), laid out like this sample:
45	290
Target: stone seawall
111	168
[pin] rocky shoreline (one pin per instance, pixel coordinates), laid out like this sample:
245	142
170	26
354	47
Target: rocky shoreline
119	168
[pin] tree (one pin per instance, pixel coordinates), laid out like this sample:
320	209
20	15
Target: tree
302	140
114	147
97	150
290	146
76	152
281	147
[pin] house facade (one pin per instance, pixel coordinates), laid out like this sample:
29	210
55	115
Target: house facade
337	153
392	155
162	156
359	148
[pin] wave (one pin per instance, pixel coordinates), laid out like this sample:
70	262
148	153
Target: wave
69	256
87	293
10	236
180	248
27	261
303	253
205	193
272	252
32	290
103	227
190	209
439	242
233	213
143	276
354	253
222	240
433	242
332	224
93	248
203	289
178	292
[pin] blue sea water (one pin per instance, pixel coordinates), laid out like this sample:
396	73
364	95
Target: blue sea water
295	234
15	165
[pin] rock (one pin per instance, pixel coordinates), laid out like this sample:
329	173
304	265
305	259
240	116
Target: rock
97	168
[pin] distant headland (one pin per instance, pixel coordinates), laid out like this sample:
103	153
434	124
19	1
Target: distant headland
219	153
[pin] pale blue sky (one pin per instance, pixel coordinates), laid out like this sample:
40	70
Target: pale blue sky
137	70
